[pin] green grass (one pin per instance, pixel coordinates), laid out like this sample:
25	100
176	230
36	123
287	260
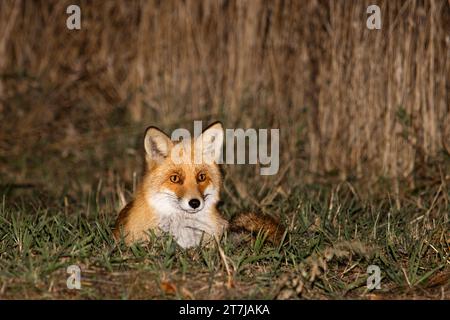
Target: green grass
332	238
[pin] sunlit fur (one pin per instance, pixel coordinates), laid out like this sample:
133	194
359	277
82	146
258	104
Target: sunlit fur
162	205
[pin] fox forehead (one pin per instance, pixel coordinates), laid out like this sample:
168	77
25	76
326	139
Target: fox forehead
187	152
186	156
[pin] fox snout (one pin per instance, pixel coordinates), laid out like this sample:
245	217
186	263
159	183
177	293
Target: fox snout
192	204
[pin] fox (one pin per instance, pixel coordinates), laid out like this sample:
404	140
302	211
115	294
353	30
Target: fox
180	192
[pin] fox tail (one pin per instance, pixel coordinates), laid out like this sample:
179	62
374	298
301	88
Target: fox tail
255	223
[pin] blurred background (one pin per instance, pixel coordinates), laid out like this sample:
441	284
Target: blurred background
370	107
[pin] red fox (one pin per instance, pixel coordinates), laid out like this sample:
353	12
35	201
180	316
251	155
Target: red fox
180	197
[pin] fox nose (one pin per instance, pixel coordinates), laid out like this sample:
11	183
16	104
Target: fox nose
194	203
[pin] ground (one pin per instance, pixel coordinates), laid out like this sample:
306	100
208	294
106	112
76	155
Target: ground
332	237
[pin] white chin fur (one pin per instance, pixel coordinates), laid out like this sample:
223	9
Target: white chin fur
187	227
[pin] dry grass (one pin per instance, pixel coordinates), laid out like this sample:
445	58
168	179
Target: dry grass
349	101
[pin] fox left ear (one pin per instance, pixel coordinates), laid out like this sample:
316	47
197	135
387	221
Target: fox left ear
157	144
212	142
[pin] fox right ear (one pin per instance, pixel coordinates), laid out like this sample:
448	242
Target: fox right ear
157	144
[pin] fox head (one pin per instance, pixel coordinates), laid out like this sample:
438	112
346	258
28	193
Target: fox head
183	177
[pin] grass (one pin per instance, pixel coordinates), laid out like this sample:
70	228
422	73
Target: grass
332	238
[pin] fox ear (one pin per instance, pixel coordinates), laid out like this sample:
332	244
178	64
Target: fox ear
157	144
212	142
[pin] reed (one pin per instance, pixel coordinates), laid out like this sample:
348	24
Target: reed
348	100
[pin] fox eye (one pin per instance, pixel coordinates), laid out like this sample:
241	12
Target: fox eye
175	178
201	177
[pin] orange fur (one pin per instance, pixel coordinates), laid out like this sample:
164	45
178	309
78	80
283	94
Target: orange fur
255	223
